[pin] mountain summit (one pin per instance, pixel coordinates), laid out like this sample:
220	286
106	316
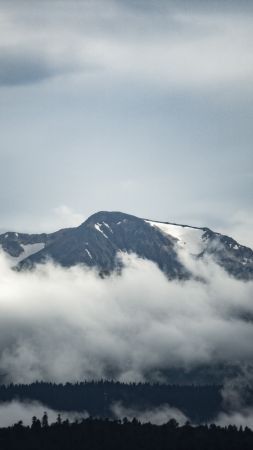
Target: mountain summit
98	241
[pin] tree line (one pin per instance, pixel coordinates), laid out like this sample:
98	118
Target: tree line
105	434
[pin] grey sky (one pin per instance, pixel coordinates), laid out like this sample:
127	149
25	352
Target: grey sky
144	107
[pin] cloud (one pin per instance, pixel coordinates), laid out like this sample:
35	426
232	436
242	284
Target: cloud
242	418
60	324
240	227
65	217
157	416
13	412
18	67
201	55
59	217
237	404
108	81
164	46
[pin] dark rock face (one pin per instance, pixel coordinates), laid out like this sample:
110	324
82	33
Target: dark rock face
97	241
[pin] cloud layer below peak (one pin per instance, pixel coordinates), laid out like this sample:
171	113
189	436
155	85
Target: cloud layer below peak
69	324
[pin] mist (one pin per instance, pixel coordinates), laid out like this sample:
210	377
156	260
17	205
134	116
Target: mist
15	411
59	324
158	416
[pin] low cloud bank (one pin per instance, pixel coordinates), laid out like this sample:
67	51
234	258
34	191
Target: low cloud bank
242	418
237	404
60	324
157	416
15	411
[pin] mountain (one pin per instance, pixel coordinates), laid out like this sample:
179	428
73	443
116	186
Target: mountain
98	241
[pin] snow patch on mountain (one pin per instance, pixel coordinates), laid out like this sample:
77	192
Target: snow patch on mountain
88	253
107	226
98	228
187	237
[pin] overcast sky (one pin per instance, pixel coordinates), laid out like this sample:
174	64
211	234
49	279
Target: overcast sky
140	106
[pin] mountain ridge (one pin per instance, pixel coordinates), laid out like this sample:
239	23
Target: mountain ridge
97	241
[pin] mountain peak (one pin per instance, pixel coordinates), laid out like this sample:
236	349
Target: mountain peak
108	216
98	241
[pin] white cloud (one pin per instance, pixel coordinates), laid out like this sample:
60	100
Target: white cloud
166	48
157	416
14	411
208	53
240	226
66	217
242	418
69	324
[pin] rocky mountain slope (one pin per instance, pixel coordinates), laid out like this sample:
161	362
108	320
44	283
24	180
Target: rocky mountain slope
98	241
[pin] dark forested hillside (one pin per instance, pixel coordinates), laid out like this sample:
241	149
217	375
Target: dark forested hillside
198	403
104	434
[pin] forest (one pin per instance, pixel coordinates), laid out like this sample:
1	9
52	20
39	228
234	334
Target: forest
99	434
